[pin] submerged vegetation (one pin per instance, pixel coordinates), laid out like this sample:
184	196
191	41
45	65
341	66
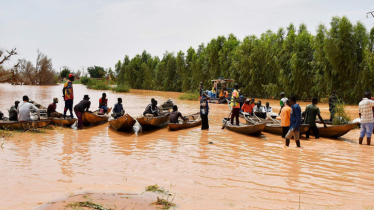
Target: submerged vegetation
164	203
121	88
154	188
87	204
291	60
190	95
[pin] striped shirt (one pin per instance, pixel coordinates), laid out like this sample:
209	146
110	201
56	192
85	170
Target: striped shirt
365	109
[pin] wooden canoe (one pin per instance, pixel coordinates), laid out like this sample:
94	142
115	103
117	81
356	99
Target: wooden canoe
194	120
335	131
153	122
14	125
93	118
124	123
63	122
277	128
247	129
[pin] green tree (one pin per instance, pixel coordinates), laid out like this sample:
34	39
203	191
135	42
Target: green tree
96	71
65	72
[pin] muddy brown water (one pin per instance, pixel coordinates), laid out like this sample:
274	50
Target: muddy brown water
235	172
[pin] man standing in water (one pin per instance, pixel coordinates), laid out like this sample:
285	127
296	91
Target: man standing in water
204	112
68	95
285	118
295	123
235	105
24	110
311	111
13	112
282	102
333	100
81	107
366	115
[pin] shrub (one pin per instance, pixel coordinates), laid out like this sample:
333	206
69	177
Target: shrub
190	95
97	85
340	117
121	88
85	80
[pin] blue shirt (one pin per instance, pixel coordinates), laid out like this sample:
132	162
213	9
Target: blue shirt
295	117
117	108
206	104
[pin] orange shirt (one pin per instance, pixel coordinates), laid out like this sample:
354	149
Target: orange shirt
285	116
248	108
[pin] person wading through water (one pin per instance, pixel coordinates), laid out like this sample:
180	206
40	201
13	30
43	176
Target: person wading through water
68	96
235	105
282	102
311	111
81	107
118	110
204	112
285	118
175	115
24	110
13	112
333	100
295	122
152	110
366	116
51	111
103	103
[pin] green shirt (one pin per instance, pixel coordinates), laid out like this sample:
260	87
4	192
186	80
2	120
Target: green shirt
311	113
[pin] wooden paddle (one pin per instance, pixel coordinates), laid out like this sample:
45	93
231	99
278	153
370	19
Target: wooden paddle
224	125
249	119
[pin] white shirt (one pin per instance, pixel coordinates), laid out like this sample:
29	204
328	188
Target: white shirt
268	109
284	100
261	109
24	109
364	108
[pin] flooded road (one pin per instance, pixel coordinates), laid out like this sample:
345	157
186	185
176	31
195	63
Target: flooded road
235	172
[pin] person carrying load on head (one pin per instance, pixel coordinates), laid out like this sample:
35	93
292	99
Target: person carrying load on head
68	95
103	103
13	112
24	110
235	105
151	110
175	115
81	107
118	110
51	111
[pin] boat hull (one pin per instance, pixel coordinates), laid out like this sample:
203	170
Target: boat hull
63	122
194	120
278	130
153	122
246	129
93	119
335	131
14	125
124	123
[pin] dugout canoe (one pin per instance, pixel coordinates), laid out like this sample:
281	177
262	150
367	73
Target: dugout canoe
14	125
93	118
194	120
63	122
278	130
335	131
124	123
153	122
247	129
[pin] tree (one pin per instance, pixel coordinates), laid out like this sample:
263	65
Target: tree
96	71
65	72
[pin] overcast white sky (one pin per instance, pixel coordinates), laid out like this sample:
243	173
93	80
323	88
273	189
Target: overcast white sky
93	32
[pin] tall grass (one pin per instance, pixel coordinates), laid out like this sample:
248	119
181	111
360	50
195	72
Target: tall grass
340	117
190	95
97	85
121	88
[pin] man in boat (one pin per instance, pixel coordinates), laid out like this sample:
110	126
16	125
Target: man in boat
204	112
152	109
118	109
235	105
259	110
24	110
81	107
247	107
51	111
333	100
282	102
285	118
295	123
103	103
366	116
175	115
311	111
13	112
68	95
268	108
201	87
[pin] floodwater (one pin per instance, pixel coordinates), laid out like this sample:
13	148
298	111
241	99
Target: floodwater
235	172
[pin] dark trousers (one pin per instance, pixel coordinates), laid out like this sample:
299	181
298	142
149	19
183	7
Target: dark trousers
205	123
315	132
68	106
261	115
332	114
235	114
80	121
285	131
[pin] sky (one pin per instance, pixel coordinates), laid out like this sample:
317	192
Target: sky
83	33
